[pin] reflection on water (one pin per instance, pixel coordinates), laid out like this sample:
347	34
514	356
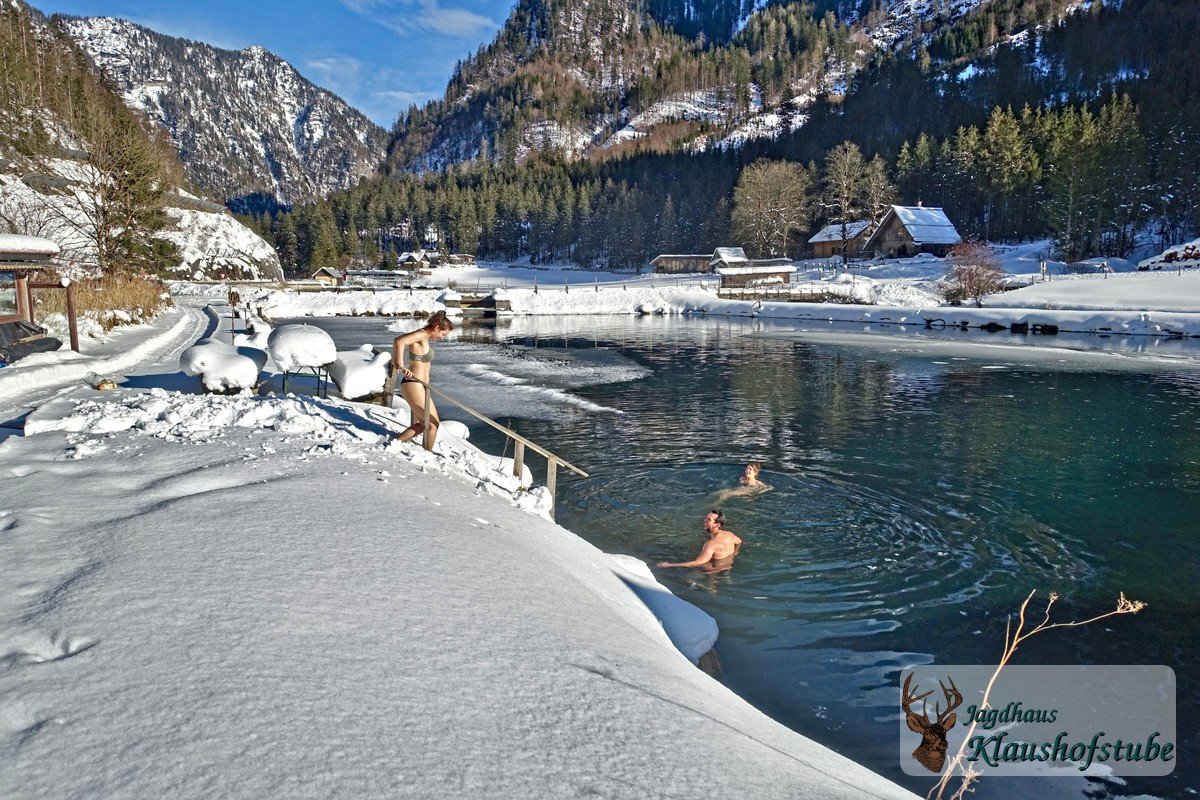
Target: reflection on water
920	493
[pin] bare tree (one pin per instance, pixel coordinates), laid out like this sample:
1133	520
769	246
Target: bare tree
771	202
976	273
843	195
1014	636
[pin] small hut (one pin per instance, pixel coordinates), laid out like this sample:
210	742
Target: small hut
827	243
19	257
728	257
908	230
329	276
676	263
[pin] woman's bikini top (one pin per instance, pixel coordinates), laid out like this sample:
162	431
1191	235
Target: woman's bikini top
424	358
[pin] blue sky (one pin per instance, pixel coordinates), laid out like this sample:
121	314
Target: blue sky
378	55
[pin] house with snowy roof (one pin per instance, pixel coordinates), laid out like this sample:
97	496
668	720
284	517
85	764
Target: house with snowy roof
908	230
828	241
329	276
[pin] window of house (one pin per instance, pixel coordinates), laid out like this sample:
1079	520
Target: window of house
8	294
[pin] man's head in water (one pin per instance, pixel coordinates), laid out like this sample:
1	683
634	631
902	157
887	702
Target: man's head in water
714	521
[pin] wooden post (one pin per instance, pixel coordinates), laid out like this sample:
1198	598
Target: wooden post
72	323
28	302
551	483
518	459
428	432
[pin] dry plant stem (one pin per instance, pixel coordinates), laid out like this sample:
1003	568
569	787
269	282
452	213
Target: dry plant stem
1012	639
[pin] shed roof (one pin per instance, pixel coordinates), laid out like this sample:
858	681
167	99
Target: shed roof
927	225
833	233
16	249
729	255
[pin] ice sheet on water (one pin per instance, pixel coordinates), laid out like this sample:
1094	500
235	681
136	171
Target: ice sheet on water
531	382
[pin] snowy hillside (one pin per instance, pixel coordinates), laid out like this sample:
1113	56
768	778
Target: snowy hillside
212	244
245	122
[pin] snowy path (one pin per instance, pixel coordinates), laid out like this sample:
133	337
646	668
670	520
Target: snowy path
39	377
244	598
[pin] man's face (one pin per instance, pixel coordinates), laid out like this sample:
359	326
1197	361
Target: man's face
710	522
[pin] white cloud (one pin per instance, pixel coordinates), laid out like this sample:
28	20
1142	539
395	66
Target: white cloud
408	17
379	92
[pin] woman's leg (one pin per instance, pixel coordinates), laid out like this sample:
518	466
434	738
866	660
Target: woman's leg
413	394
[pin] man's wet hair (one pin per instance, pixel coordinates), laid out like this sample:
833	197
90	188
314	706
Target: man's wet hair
720	515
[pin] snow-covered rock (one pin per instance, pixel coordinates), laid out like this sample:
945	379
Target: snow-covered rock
295	347
220	366
215	245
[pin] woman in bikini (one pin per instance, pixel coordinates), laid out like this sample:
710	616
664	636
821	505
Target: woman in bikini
419	346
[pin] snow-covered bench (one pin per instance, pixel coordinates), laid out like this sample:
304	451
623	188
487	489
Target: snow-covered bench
303	350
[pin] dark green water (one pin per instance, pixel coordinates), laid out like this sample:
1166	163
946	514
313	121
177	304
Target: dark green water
917	499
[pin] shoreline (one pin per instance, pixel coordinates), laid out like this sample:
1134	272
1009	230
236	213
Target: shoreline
185	495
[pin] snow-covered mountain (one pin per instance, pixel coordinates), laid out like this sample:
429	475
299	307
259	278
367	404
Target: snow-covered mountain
248	127
580	77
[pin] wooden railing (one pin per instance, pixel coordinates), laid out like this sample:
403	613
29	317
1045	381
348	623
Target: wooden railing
519	442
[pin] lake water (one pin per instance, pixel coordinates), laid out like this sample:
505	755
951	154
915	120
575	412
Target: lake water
923	485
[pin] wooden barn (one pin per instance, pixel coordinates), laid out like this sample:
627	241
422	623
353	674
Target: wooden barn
827	243
673	263
908	230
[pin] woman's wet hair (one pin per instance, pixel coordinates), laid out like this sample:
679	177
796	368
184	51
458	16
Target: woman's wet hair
754	465
439	322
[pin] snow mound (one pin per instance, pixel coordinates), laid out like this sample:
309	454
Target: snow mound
295	347
361	372
257	334
690	629
220	366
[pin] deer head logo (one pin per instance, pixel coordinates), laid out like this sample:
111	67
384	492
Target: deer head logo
932	751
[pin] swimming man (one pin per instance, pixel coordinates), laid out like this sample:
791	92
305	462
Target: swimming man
718	552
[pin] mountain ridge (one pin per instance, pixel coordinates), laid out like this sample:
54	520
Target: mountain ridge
249	128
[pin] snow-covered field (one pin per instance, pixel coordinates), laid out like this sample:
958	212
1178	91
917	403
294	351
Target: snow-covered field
261	596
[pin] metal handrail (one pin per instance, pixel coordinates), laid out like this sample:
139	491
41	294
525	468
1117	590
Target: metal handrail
519	441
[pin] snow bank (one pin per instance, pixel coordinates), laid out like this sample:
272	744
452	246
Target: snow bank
361	372
691	630
295	347
1135	291
393	303
1065	321
590	300
222	367
221	620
